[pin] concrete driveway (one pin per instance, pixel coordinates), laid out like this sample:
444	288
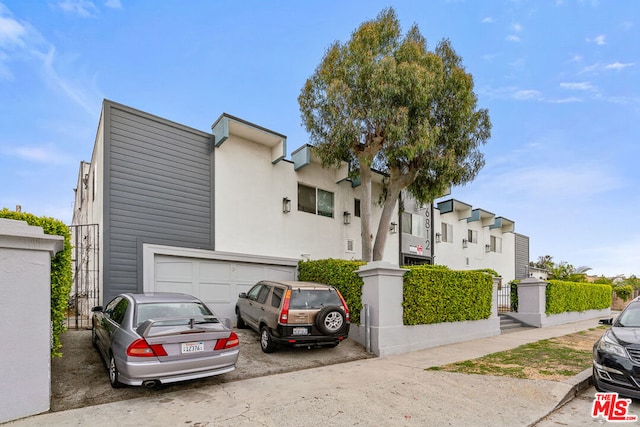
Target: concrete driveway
79	378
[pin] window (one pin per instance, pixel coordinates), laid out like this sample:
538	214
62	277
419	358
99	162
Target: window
264	293
116	309
325	203
406	223
276	297
412	224
472	236
314	200
356	208
253	293
306	199
496	244
446	231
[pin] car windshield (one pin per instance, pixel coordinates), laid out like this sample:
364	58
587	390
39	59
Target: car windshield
186	310
302	299
630	317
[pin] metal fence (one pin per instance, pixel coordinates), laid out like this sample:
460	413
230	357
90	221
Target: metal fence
504	298
85	291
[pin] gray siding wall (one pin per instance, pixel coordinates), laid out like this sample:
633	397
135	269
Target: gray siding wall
522	256
158	189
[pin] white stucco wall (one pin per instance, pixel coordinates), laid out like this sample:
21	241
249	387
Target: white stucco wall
25	304
474	256
248	207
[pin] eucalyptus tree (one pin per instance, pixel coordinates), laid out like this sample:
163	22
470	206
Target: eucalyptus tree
383	101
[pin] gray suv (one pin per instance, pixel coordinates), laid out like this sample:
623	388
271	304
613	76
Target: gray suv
299	314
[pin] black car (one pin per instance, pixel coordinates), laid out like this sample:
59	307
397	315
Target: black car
616	355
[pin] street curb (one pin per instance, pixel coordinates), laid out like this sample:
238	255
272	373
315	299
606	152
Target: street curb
578	383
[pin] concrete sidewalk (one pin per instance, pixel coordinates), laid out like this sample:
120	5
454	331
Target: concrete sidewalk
394	390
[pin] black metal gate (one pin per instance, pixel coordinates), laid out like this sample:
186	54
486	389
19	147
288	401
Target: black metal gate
85	291
505	303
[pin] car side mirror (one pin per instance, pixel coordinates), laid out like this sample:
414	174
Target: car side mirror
242	295
608	321
96	308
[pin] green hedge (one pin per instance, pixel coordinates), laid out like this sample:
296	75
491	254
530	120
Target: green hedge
576	296
61	275
338	273
436	295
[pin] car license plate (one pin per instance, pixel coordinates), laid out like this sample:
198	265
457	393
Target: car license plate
192	347
300	331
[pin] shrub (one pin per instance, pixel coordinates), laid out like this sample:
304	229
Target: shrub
576	296
623	291
436	295
61	275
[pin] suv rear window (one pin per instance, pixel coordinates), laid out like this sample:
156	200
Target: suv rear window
302	299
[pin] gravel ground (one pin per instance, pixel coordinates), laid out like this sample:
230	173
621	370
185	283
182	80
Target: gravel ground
79	378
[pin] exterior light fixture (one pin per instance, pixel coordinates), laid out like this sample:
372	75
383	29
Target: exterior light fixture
465	243
393	228
286	205
487	248
438	238
346	216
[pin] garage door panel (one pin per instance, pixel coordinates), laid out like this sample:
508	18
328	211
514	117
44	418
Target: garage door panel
174	286
216	282
215	292
172	269
272	273
247	273
219	270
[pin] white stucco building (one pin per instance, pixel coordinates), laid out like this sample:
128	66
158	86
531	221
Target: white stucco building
211	213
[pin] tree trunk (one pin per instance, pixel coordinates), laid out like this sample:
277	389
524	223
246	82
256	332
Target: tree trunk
385	221
365	212
397	182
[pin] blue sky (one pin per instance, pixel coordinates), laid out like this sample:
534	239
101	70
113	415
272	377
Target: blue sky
560	78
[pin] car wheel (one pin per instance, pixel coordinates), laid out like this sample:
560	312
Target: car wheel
266	341
331	320
113	373
241	324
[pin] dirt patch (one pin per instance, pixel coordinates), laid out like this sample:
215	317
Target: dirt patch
79	378
554	359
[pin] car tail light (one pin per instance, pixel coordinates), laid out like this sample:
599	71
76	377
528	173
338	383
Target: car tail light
140	348
284	314
344	304
230	342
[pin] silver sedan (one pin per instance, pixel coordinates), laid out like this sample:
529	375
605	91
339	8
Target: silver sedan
161	338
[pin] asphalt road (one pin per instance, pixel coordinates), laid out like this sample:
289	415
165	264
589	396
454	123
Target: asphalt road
578	412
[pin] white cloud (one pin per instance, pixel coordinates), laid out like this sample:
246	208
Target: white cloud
511	92
619	65
600	40
80	94
113	4
20	41
83	8
527	94
46	154
512	38
569	100
11	31
517	27
488	20
586	86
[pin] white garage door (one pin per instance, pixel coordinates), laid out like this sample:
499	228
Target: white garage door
216	282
